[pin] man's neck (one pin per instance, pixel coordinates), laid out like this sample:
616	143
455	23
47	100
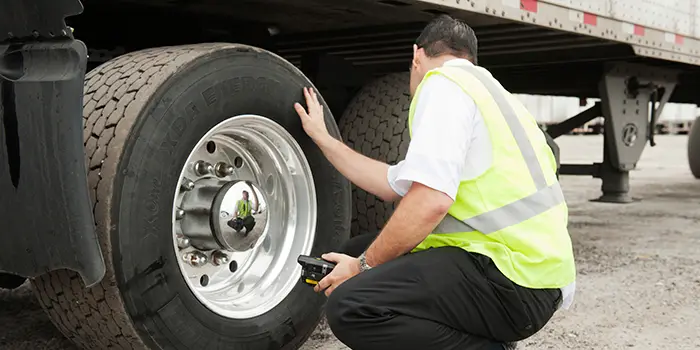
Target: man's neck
446	58
440	61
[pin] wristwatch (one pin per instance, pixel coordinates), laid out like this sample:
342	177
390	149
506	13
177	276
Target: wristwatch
363	263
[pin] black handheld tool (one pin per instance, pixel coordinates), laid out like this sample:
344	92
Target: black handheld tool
314	269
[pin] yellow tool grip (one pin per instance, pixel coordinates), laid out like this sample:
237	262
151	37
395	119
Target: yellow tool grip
310	281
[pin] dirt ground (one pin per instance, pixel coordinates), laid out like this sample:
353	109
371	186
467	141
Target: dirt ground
638	275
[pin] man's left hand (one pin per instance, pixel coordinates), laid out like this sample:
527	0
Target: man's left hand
345	268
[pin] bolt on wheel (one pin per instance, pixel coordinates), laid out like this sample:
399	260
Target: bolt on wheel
244	210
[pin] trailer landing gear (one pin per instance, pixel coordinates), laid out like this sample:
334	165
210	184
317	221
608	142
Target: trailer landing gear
632	98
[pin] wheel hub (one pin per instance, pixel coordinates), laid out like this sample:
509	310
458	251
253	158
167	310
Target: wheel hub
240	259
210	222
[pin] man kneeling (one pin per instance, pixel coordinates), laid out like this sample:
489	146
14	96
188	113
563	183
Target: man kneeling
477	254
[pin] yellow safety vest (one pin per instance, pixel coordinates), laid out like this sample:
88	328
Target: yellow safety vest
514	212
243	208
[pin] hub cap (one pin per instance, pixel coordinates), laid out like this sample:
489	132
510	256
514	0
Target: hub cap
241	266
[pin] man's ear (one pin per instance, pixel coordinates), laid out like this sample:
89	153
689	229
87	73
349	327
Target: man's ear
416	56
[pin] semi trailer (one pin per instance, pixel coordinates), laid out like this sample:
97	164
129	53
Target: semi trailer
128	125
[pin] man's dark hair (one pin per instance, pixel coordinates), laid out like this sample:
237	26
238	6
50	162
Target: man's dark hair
446	35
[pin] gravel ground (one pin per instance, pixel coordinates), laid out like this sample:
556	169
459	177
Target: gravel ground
638	278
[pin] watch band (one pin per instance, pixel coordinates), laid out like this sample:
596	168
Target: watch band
363	263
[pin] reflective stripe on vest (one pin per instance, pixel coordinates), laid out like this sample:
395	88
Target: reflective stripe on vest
545	198
506	216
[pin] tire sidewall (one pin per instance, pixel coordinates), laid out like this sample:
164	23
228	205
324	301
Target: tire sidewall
209	90
694	148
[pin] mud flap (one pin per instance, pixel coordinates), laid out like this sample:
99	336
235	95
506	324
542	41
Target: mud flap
45	207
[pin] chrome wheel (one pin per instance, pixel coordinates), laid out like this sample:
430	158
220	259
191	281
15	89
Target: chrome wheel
241	266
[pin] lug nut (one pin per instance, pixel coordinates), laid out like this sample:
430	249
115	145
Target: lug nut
202	168
183	242
187	184
179	213
195	259
219	258
222	169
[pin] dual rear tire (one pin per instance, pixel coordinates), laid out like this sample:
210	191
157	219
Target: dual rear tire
375	123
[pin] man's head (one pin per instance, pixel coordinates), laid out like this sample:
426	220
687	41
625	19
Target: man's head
245	195
442	39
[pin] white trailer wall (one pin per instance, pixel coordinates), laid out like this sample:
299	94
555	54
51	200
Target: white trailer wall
550	109
554	109
679	113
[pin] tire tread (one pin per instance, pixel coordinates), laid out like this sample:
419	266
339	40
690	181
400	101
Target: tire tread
115	94
375	123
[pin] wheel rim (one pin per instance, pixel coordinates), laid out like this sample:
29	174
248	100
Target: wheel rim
243	268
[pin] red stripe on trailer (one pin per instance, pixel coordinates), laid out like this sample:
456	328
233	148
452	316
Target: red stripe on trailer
638	30
528	5
679	39
589	18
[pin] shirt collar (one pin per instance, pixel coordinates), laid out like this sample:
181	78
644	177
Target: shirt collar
457	62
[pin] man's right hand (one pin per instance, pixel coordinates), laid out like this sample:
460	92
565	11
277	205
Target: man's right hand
312	121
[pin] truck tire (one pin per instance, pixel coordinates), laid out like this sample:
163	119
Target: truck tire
375	123
148	114
694	149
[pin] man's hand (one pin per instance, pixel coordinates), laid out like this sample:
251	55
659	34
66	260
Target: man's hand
312	121
345	268
366	173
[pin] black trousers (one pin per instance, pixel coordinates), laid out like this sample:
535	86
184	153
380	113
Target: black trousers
442	298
